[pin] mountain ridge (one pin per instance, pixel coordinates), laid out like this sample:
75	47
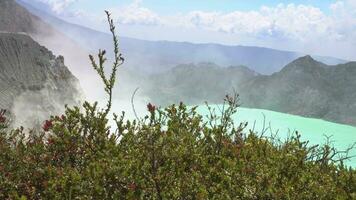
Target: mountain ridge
308	88
304	87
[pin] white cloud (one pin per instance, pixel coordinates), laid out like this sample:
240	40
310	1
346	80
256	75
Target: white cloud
290	21
296	22
234	22
135	14
344	19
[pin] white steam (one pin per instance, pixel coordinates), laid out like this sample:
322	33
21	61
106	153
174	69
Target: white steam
77	60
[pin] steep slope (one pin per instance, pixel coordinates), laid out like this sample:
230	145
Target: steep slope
301	83
33	82
158	56
15	18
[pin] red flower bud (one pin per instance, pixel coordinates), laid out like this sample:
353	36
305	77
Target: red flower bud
47	125
2	119
2	116
151	108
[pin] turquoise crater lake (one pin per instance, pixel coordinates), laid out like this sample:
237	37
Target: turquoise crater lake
312	130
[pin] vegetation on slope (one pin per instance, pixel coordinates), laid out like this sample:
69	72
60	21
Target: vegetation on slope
304	87
171	153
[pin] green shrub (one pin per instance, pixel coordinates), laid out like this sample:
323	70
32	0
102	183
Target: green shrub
172	153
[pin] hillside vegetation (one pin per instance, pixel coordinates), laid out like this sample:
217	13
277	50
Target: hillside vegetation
304	87
171	153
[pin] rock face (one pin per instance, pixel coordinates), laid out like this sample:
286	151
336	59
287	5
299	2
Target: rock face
33	82
14	18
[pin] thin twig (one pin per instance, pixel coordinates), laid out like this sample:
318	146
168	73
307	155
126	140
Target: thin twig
133	105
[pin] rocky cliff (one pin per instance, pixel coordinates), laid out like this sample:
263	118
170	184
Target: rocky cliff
34	83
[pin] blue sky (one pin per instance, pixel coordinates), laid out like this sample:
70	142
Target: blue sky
323	27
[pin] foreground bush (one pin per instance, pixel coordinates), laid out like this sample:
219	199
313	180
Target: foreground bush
172	153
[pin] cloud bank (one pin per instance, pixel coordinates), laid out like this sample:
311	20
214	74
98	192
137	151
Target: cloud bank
298	22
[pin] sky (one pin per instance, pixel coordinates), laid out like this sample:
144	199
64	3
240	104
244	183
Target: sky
322	27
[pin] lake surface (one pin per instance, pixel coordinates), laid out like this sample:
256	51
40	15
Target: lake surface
312	130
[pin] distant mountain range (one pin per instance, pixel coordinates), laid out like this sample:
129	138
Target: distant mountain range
158	56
